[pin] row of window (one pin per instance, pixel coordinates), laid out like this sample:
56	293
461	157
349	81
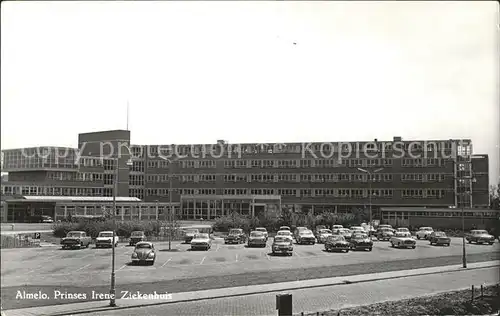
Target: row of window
321	192
386	215
422	162
422	177
72	176
226	149
305	177
295	163
40	163
51	191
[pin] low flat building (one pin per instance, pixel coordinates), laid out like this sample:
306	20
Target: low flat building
22	208
440	218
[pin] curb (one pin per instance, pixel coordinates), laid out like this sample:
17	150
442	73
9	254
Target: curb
291	288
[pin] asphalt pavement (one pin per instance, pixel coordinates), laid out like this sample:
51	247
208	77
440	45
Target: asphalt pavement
50	268
324	298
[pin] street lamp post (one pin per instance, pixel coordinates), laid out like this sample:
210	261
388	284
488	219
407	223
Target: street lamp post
112	290
370	174
462	204
170	221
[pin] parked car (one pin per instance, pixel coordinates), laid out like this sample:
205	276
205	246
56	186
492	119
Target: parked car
403	240
403	230
144	253
305	237
257	238
369	229
40	219
318	228
201	241
189	234
284	233
322	235
297	231
384	233
439	238
262	230
285	228
361	242
105	239
282	245
337	243
424	232
384	226
334	227
137	236
346	233
235	236
479	236
76	239
357	228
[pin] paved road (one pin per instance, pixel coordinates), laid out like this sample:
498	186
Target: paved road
325	298
224	265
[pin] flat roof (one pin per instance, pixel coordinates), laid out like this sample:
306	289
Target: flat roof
79	198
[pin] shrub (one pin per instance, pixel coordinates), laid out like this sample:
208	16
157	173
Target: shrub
61	229
123	229
235	220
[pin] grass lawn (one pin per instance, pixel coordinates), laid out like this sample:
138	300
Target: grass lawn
450	303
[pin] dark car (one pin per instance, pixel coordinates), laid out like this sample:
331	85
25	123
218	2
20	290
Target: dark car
384	233
361	242
305	236
337	243
282	245
144	253
76	239
257	238
235	236
136	237
439	238
480	236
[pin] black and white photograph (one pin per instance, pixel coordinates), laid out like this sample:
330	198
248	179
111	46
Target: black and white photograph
263	158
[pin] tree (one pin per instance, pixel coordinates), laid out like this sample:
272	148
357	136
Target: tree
361	215
495	197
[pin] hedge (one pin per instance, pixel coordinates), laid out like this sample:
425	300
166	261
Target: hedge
272	222
123	229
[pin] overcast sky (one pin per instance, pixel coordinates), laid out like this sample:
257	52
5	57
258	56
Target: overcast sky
195	72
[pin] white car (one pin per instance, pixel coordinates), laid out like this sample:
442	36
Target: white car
335	227
357	229
402	240
201	241
424	232
323	235
105	239
262	230
285	233
403	230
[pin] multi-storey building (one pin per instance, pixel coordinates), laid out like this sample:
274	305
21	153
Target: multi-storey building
206	181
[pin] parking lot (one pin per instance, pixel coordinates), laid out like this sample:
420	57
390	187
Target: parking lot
52	265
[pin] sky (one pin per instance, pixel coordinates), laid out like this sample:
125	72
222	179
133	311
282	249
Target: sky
267	71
